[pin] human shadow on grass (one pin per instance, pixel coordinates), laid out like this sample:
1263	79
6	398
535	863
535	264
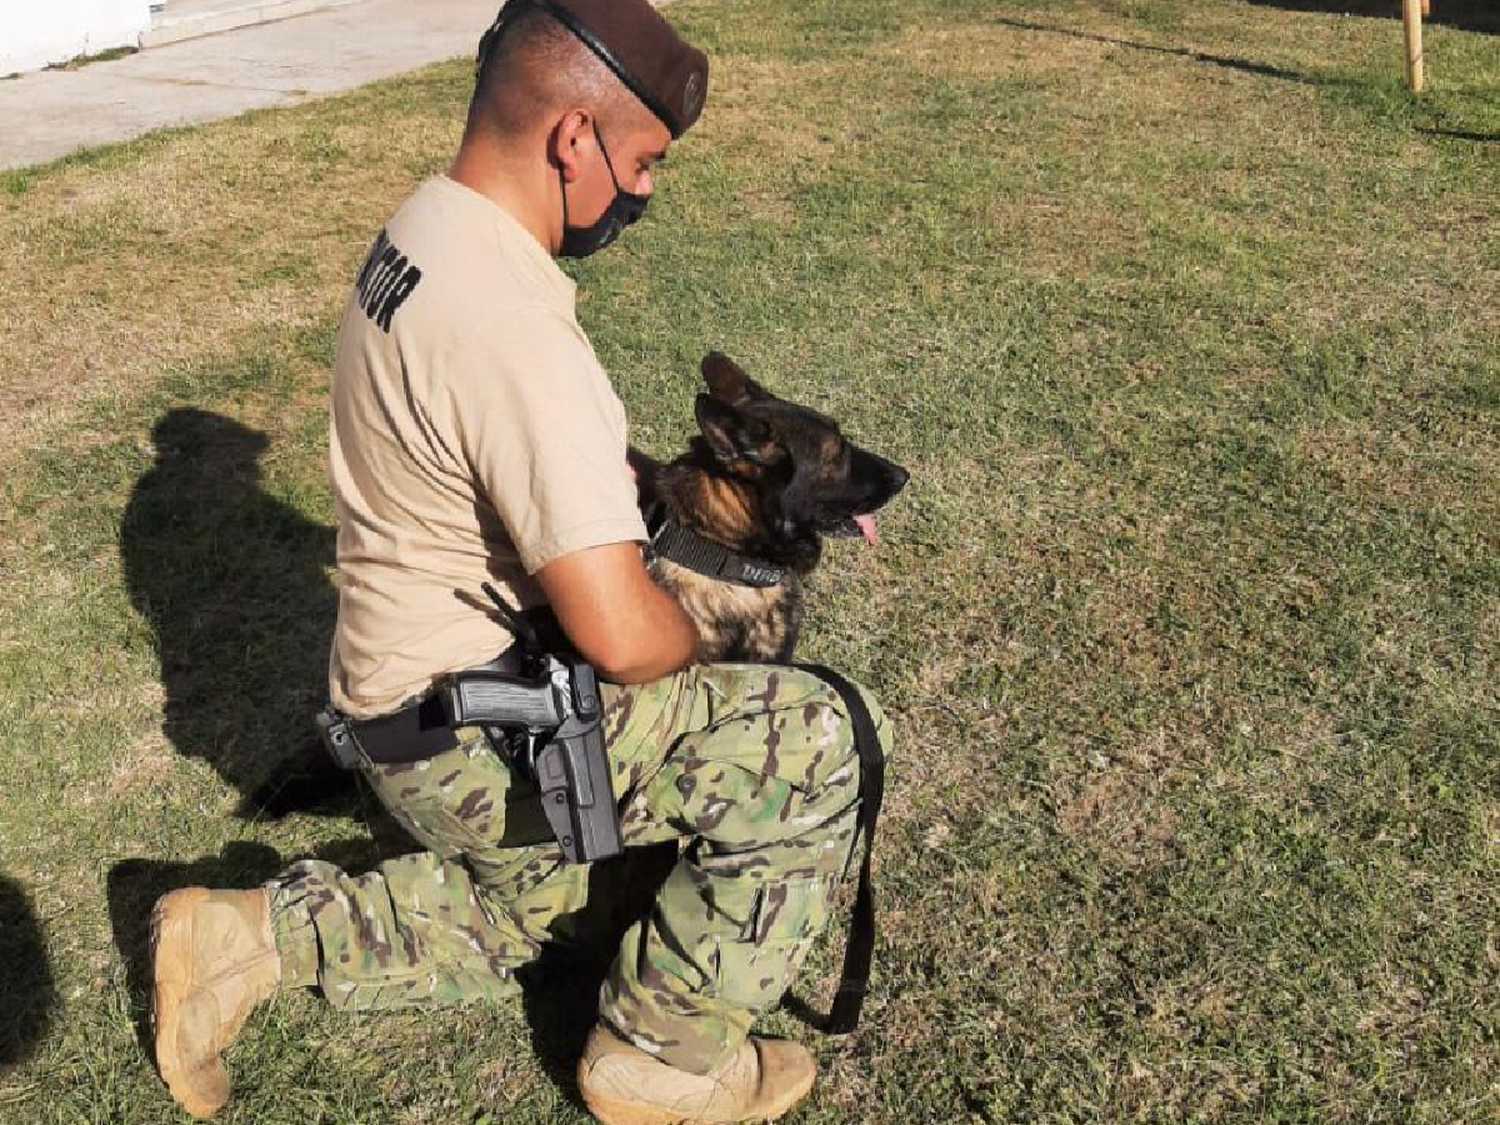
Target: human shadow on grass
27	994
134	885
1465	15
234	583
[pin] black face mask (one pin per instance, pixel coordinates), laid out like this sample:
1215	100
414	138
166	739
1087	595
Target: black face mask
624	209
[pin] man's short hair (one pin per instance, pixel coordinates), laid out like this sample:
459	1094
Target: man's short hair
537	68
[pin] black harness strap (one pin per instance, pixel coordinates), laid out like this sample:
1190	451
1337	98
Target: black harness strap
859	954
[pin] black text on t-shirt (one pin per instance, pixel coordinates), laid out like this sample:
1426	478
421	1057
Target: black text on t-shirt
385	281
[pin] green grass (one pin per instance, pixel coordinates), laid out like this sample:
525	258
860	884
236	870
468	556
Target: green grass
1184	318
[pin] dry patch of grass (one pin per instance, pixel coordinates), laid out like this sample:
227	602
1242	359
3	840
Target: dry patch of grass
128	268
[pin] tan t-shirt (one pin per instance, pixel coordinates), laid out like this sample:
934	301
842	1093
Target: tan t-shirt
474	437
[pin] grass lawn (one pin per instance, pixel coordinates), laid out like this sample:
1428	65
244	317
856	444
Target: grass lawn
1186	319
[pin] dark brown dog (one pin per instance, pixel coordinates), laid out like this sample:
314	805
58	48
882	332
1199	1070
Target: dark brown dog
765	479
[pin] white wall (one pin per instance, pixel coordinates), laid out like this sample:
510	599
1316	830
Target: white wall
37	33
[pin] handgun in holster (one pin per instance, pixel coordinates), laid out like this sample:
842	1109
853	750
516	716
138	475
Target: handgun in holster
338	740
550	727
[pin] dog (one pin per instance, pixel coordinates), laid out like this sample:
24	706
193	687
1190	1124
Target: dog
764	480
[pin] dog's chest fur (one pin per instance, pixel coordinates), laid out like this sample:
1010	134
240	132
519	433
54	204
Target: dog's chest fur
736	623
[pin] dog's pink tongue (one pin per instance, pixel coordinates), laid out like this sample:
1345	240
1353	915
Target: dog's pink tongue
867	528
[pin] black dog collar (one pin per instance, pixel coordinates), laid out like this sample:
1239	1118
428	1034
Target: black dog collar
685	547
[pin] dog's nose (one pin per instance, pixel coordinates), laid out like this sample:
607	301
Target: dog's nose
896	478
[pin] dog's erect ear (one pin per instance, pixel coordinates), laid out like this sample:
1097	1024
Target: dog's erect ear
728	381
734	436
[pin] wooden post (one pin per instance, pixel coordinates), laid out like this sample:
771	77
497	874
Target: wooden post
1411	17
1426	9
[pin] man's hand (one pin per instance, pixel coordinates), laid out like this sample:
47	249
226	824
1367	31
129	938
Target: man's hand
625	625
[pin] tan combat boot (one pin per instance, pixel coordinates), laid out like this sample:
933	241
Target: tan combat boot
213	958
623	1085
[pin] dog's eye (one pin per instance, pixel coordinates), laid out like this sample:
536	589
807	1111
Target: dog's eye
834	453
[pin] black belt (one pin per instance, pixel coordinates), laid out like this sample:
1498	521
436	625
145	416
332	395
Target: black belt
420	729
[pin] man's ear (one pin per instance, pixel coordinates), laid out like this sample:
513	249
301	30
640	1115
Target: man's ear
734	436
728	381
572	140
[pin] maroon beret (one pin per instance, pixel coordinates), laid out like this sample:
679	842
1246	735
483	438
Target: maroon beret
632	38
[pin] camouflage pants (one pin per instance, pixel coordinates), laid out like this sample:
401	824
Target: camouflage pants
750	767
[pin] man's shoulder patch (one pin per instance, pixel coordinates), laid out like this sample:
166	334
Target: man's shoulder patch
385	281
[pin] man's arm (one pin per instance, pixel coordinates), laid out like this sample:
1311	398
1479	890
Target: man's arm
625	625
543	435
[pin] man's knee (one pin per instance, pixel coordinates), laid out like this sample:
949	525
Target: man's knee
837	715
872	708
805	709
777	759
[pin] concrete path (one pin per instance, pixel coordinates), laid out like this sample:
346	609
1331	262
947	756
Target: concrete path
51	113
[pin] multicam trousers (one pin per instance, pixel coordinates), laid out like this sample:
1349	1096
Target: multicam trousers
751	767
